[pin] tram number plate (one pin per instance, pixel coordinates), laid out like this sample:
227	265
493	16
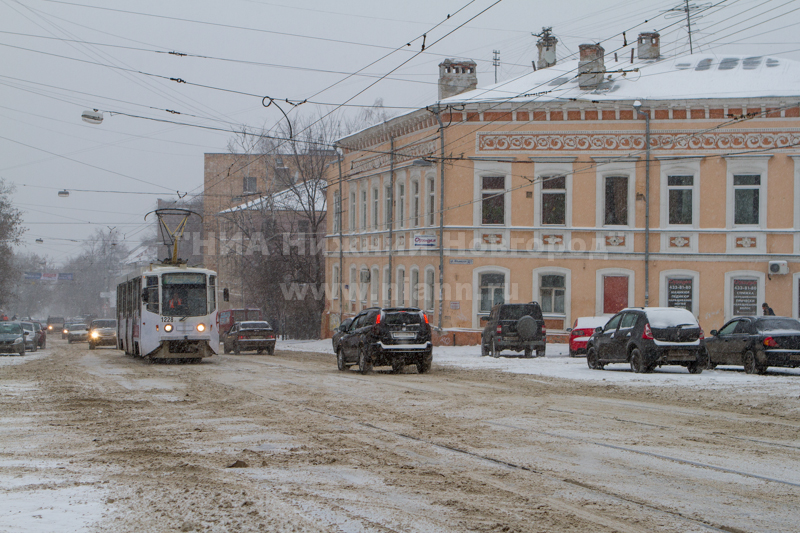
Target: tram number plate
166	319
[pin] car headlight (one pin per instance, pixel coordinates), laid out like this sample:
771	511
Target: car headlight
65	332
49	327
168	328
201	328
95	334
18	340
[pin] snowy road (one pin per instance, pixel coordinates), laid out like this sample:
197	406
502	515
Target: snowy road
97	441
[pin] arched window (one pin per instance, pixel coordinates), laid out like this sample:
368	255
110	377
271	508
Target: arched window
429	286
414	287
335	282
401	287
492	291
374	285
431	202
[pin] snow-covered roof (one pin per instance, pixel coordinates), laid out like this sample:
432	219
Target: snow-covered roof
299	197
696	76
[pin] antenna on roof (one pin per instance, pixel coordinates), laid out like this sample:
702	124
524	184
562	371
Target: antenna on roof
686	10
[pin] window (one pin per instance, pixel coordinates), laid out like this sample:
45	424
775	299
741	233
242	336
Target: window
415	203
387	205
352	208
335	282
414	287
303	227
351	287
679	191
613	323
551	293
729	328
401	287
429	283
374	285
249	185
431	202
616	197
385	287
401	204
152	294
375	206
746	188
363	285
554	200
363	209
337	212
212	294
493	208
492	291
745	296
628	320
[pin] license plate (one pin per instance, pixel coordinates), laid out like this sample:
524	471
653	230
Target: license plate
404	335
795	357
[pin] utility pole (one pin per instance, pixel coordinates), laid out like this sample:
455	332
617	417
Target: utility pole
496	63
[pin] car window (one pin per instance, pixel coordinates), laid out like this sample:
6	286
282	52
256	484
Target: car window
742	327
628	320
777	324
613	323
358	322
729	327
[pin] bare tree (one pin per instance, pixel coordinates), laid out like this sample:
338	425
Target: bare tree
10	232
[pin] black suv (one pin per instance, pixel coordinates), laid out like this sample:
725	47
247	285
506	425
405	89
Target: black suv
647	337
517	327
392	336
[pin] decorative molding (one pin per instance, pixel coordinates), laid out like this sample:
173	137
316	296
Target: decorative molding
663	140
746	242
492	238
553	240
402	155
553	159
680	241
615	240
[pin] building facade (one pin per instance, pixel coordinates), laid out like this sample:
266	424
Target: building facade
587	186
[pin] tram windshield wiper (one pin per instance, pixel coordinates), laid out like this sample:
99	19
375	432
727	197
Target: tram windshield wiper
183	318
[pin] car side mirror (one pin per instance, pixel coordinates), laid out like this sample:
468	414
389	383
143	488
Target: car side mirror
598	329
226	295
569	330
26	333
145	296
714	333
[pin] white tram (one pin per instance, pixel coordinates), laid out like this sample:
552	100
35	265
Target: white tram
168	312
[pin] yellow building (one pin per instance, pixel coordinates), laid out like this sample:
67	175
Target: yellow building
545	188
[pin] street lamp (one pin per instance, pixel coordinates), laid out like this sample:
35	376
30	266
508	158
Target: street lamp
92	116
637	105
63	193
40	241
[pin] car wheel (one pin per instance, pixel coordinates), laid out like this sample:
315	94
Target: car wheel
22	350
529	353
364	360
44	345
495	351
225	348
573	353
340	360
637	362
260	351
424	366
695	367
236	349
398	365
540	353
91	346
593	360
751	364
484	349
34	347
271	351
69	341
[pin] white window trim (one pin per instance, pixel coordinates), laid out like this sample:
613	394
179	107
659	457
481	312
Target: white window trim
567	273
375	200
476	288
385	287
432	288
335	282
351	287
352	209
364	206
387	208
490	168
747	165
430	200
413	293
680	167
598	295
543	170
621	168
760	276
375	283
363	288
419	200
680	273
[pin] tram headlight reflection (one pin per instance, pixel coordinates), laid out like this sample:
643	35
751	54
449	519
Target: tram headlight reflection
168	328
201	327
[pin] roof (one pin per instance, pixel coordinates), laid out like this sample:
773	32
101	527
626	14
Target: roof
298	197
695	76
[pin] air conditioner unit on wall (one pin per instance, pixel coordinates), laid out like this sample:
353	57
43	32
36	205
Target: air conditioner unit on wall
778	267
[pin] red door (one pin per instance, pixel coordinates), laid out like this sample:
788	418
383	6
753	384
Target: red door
615	294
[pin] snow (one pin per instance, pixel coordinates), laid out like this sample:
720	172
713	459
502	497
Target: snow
669	317
586	322
558	364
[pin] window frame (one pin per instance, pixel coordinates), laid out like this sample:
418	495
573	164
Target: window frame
599	288
747	165
249	180
476	290
430	297
415	203
566	273
666	275
400	293
400	220
613	167
760	277
487	169
430	195
363	206
376	205
542	190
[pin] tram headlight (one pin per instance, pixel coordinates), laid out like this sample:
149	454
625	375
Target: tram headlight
95	334
168	328
201	328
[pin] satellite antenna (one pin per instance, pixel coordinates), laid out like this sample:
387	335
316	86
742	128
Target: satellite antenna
685	10
171	236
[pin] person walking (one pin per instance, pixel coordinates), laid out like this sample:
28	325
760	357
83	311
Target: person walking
767	309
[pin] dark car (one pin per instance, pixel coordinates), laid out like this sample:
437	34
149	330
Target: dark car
517	327
55	323
102	332
246	336
41	334
647	337
338	333
12	338
77	332
392	336
756	343
30	336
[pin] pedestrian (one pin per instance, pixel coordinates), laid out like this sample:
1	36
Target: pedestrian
767	309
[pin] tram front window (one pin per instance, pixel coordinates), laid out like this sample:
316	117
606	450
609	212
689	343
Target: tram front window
183	294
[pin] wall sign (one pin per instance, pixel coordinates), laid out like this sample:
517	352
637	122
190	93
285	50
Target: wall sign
425	241
460	261
679	293
745	297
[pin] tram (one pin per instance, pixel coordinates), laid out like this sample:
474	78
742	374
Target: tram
168	311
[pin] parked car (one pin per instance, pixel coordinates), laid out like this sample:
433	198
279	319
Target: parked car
55	323
41	334
517	327
30	336
392	336
102	332
246	336
756	342
226	319
646	337
580	332
77	332
12	338
338	333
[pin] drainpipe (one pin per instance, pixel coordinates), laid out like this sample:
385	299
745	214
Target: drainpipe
391	220
637	105
441	215
341	241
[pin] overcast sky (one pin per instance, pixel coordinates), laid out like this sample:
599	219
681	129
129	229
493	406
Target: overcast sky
62	57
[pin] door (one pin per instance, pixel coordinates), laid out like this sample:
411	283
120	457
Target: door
719	347
350	338
618	345
615	294
739	342
603	340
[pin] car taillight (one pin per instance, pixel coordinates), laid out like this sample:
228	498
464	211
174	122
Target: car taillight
544	330
425	316
499	329
702	335
769	342
378	319
648	333
241	337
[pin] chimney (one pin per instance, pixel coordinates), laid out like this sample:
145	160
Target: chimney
649	45
591	66
456	77
547	48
